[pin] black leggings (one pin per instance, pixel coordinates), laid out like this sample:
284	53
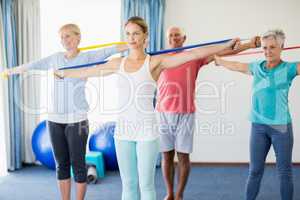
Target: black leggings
69	147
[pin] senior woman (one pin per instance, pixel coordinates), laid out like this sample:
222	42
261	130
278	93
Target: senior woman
270	116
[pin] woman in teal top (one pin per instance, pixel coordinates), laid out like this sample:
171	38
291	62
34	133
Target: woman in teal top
270	116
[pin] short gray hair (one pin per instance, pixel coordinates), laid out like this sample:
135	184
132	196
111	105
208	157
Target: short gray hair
182	31
277	34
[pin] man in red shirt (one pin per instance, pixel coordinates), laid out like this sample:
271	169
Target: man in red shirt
176	112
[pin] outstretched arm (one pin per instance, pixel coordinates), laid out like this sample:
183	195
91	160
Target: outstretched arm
105	69
232	65
42	64
169	61
104	53
253	43
16	70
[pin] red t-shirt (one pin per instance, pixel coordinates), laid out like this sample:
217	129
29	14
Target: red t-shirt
176	88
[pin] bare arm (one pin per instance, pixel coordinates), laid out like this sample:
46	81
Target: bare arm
253	43
169	61
105	69
232	65
298	69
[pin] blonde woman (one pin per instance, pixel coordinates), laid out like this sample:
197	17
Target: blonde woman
67	116
136	137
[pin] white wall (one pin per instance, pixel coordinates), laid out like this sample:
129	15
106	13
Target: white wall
99	21
223	97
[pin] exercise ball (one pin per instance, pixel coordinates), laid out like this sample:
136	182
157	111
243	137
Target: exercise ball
102	140
41	145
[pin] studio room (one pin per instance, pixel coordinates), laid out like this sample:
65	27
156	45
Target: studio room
149	100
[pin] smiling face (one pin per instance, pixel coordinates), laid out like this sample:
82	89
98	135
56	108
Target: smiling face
135	36
70	38
136	31
176	37
272	49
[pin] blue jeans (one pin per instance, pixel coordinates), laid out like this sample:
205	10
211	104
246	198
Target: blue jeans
137	164
262	137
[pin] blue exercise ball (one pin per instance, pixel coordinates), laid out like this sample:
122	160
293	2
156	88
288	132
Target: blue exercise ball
102	140
41	145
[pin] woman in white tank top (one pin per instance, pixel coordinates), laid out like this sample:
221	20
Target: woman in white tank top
136	136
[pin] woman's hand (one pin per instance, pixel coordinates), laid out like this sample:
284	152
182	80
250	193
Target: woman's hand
59	74
4	74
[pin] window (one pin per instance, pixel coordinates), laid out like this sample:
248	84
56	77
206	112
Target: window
99	22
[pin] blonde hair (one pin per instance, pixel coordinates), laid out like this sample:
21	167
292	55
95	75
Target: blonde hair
71	27
277	34
138	21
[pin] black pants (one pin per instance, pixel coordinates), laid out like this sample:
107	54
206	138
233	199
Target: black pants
69	147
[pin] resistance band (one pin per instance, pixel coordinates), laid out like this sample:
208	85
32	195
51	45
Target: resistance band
4	75
153	53
258	52
100	46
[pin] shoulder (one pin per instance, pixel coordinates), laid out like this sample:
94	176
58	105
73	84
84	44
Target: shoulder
157	58
154	61
292	67
290	64
257	64
56	55
116	60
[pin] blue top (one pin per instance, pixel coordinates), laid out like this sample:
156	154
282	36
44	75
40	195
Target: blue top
270	92
68	95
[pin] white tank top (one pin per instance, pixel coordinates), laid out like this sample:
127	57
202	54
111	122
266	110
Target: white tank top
136	118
